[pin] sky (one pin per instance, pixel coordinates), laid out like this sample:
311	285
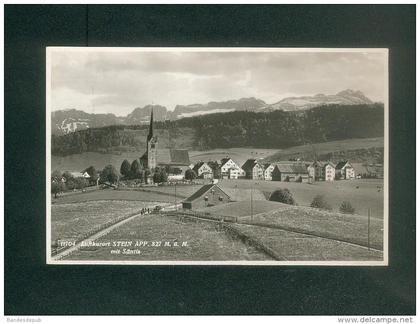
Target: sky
116	82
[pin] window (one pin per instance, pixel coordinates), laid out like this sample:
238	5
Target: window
220	198
152	145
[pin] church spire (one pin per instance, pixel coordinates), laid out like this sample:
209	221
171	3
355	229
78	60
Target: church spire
149	137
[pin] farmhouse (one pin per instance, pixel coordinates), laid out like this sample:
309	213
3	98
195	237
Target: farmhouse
226	164
344	170
207	196
203	170
253	170
321	171
268	171
296	172
76	175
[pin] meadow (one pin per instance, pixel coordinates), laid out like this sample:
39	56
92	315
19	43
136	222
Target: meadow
299	247
71	221
204	242
363	194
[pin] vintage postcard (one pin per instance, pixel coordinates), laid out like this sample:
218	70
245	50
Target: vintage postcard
217	156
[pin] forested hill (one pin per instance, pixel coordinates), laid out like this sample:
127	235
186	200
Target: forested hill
277	129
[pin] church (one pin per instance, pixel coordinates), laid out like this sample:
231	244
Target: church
155	157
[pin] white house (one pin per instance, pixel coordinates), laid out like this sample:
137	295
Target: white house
203	170
268	171
344	170
253	169
328	171
226	164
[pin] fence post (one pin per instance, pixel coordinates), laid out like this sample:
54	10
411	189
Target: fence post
369	229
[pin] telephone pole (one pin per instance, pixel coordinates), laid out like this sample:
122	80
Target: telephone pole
368	228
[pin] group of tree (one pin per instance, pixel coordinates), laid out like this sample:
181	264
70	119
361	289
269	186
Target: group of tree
61	182
320	202
276	129
285	196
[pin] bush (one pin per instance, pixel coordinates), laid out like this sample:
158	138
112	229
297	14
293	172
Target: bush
190	175
319	202
284	196
347	208
109	174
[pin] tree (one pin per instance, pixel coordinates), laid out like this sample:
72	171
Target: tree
56	175
284	196
347	208
135	169
92	173
125	169
320	203
163	176
80	183
109	174
67	176
190	174
156	177
56	187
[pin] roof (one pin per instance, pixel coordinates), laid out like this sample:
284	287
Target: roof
200	192
341	164
171	156
249	164
78	175
224	160
292	168
197	166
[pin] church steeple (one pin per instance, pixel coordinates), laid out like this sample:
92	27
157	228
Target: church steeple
149	137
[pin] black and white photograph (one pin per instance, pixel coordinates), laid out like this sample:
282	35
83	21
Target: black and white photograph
217	156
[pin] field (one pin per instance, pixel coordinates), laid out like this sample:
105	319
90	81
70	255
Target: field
204	242
118	195
361	193
299	247
243	208
71	221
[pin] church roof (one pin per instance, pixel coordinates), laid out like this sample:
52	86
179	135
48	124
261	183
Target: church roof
173	157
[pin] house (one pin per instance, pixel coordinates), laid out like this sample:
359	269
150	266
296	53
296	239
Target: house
321	171
344	170
268	171
315	170
226	164
253	170
203	170
207	196
76	175
328	172
293	172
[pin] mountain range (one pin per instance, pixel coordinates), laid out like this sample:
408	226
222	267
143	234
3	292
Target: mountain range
67	121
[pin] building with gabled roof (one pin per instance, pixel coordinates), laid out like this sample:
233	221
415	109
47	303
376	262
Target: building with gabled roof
344	170
253	170
207	196
227	164
293	172
203	170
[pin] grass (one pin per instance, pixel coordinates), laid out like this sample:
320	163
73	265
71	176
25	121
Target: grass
204	242
71	221
109	194
361	193
348	228
243	208
299	247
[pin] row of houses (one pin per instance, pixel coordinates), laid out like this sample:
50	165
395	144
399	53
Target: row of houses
280	171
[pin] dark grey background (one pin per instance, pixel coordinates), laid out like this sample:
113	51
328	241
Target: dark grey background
32	287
